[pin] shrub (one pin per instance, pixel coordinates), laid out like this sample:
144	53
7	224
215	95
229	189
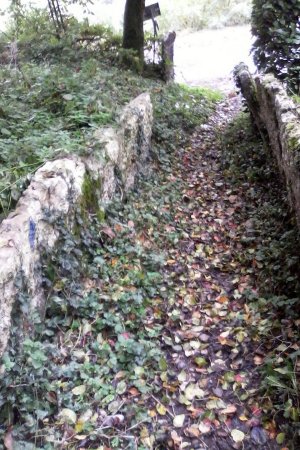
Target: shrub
276	26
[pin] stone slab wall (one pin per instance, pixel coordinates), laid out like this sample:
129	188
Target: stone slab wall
276	114
55	193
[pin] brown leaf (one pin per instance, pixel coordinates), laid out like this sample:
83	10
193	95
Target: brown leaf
258	360
230	409
109	232
133	392
192	431
8	439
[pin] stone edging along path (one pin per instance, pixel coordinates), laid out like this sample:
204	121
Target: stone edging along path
56	191
276	115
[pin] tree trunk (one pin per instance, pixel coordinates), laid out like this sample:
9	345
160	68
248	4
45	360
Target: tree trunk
133	30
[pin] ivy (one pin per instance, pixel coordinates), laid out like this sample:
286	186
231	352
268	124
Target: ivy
276	27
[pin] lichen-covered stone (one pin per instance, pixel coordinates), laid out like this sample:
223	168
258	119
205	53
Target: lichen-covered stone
280	116
55	192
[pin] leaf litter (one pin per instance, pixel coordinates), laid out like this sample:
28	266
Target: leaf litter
157	345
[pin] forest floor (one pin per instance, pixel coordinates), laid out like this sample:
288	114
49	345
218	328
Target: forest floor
174	322
169	336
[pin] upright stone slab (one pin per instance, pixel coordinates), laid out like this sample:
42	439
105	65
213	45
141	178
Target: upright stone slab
275	112
168	56
56	191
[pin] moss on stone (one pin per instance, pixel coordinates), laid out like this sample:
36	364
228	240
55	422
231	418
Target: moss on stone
90	197
294	143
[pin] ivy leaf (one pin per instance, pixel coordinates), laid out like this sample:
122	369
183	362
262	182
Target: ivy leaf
121	387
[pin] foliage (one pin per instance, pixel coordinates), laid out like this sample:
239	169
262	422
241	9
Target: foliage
51	108
104	290
270	243
276	26
104	351
161	317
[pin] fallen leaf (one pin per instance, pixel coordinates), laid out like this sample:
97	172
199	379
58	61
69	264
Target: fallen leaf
121	387
237	435
193	431
68	416
133	392
193	391
204	427
215	404
161	409
200	361
67	97
179	420
86	416
222	299
114	420
162	363
280	438
230	409
258	360
8	439
79	390
109	232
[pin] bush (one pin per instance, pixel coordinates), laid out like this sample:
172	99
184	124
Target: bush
276	26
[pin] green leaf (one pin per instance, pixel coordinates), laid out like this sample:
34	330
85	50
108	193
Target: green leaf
280	438
201	362
163	364
121	387
5	132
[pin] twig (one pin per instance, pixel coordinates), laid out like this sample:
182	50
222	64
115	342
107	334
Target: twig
136	425
172	415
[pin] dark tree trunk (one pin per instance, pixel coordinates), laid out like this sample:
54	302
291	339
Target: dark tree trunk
56	16
133	31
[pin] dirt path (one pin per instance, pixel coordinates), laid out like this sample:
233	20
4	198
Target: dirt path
212	380
154	347
207	57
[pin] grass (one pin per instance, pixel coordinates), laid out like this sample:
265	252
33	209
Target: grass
52	104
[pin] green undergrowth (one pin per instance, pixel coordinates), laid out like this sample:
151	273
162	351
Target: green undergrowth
92	365
51	105
80	374
270	249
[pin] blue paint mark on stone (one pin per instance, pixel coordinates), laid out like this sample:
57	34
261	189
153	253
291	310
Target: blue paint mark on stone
31	236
